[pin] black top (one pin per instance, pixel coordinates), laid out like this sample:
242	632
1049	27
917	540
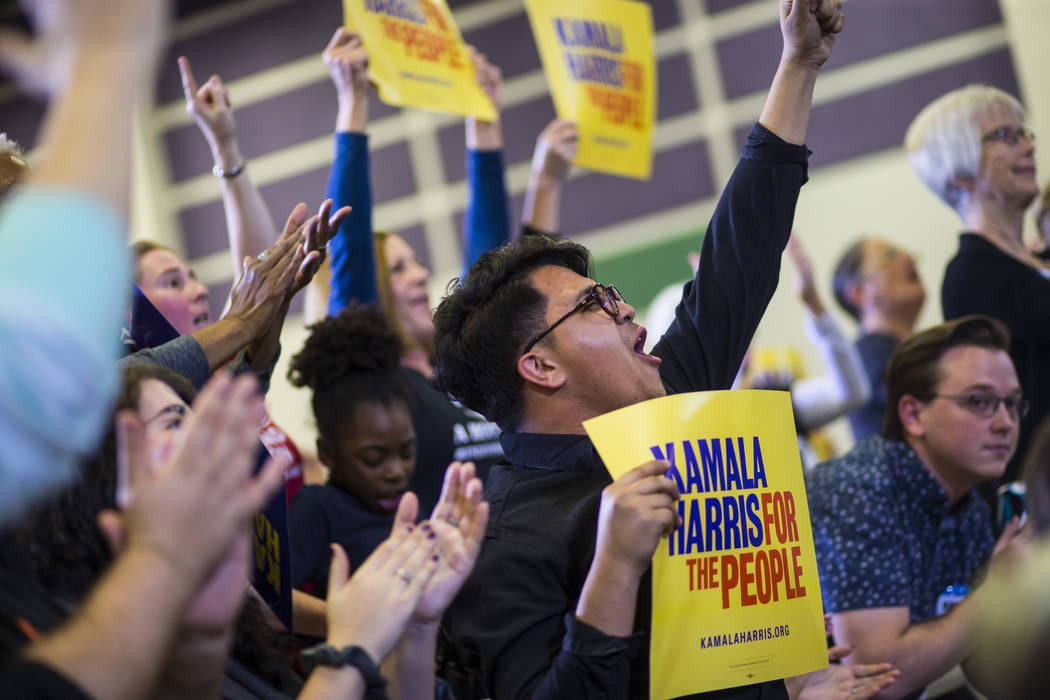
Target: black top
26	610
28	680
323	514
445	431
982	279
875	350
515	612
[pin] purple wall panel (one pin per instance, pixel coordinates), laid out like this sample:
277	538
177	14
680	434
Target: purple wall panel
204	226
20	119
674	87
665	14
593	200
285	120
874	120
680	176
749	60
714	6
275	36
507	43
415	237
524	122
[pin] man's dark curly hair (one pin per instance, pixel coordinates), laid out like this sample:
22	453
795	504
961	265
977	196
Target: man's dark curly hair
486	319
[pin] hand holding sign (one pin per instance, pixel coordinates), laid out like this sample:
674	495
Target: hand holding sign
486	134
347	63
556	149
636	511
736	599
598	58
418	58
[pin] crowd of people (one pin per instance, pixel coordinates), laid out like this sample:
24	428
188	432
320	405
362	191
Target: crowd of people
454	533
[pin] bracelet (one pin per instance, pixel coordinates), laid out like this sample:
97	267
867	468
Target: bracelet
328	655
227	174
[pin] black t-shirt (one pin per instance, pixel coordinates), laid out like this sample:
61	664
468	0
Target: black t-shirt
321	515
875	350
445	432
26	610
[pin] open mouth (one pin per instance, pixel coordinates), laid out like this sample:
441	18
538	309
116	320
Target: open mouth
391	503
639	348
202	319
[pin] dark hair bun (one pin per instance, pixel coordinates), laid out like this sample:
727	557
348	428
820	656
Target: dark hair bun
356	341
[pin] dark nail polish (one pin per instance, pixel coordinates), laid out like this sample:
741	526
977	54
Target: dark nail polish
435	557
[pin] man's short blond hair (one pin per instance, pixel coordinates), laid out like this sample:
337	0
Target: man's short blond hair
943	142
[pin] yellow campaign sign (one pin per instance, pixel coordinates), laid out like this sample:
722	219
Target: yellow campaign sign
416	56
736	596
598	57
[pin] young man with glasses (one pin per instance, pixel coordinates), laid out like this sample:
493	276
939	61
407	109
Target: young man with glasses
972	149
898	526
560	601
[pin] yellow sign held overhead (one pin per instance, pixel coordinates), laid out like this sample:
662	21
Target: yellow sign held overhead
736	597
598	57
416	56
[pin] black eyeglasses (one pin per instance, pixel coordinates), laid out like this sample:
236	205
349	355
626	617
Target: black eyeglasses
1009	134
606	296
985	405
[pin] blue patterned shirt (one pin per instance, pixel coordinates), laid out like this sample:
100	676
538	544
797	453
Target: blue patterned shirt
885	534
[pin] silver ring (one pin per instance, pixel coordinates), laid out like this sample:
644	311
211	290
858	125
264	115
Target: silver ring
453	521
405	574
263	255
854	691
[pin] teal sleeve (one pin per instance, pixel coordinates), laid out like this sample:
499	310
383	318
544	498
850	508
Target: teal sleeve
64	281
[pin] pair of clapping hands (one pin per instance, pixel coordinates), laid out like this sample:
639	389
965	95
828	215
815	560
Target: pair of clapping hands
192	513
267	283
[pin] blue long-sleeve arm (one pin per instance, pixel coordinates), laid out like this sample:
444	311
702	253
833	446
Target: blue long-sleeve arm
351	252
487	223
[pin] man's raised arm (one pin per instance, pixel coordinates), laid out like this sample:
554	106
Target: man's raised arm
740	256
809	30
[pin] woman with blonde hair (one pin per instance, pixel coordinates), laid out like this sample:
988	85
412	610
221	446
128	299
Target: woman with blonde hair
973	150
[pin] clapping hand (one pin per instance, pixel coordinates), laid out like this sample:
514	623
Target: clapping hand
459	519
372	608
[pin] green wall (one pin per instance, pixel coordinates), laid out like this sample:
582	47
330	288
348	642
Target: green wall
641	274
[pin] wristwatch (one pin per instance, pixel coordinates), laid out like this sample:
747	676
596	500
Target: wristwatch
328	655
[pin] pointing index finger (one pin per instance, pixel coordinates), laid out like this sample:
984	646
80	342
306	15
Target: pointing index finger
189	83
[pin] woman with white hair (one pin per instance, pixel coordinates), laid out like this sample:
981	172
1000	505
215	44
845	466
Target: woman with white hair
972	149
